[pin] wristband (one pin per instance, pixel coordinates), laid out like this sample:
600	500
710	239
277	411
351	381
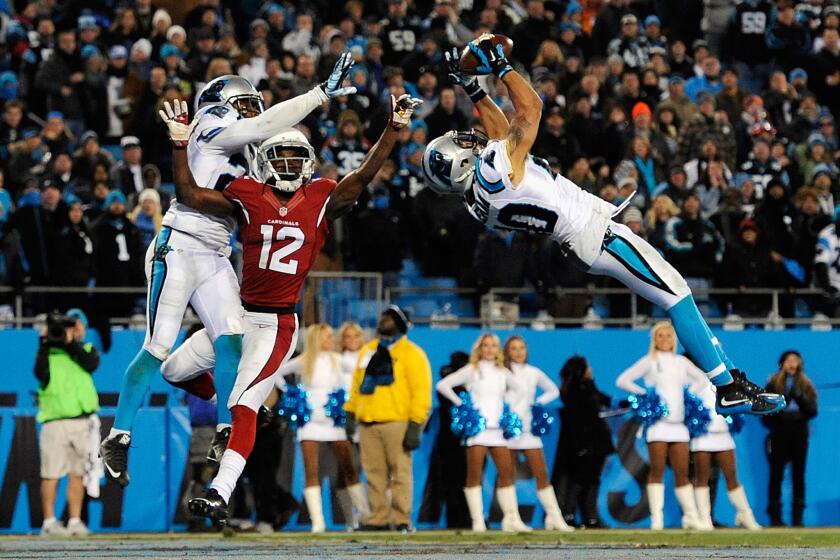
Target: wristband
474	91
501	74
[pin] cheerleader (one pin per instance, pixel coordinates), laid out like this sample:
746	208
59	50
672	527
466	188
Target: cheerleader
667	440
530	378
319	370
351	338
717	444
490	384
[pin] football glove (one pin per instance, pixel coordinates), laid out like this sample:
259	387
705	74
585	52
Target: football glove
176	118
491	58
401	110
333	87
456	77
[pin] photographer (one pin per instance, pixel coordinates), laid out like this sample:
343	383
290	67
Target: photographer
66	400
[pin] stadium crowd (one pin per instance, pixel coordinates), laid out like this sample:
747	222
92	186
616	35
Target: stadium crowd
721	117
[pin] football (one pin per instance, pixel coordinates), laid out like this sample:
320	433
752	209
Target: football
469	61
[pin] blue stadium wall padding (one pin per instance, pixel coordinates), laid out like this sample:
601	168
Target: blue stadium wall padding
161	440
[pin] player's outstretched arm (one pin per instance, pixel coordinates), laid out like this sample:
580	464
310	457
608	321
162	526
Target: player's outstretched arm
176	118
528	106
348	190
492	118
287	113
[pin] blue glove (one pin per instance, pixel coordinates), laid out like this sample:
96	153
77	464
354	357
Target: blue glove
491	57
333	86
456	77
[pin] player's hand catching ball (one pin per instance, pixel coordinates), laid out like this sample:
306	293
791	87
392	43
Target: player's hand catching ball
176	118
334	86
457	77
491	56
402	109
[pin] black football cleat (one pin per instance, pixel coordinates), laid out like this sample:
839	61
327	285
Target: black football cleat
211	506
264	417
114	453
744	397
217	449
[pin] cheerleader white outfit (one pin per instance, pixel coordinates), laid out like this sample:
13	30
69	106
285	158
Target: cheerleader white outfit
668	373
718	438
529	379
326	378
490	387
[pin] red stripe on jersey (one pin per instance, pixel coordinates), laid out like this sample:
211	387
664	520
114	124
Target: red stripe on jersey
286	326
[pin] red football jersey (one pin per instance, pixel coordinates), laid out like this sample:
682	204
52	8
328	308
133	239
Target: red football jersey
280	240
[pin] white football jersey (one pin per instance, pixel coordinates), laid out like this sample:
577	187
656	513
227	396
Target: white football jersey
540	203
213	167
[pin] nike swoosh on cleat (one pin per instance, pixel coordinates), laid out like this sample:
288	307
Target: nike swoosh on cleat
111	471
725	402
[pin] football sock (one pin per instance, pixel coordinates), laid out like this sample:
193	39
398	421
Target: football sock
228	352
135	384
696	337
239	448
230	468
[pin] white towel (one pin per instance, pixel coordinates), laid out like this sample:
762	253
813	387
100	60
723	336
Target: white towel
94	470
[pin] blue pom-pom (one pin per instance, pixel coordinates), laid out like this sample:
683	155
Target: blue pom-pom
648	408
335	407
510	423
697	415
467	422
736	423
541	420
294	407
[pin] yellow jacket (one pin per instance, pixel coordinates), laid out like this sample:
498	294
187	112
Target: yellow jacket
409	397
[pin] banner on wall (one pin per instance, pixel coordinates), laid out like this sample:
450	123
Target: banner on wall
160	444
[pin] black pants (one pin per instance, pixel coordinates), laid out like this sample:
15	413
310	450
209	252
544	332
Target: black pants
787	443
577	489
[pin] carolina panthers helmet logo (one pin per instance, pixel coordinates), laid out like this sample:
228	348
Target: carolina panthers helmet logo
213	93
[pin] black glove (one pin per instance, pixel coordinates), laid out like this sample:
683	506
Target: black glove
350	425
456	77
411	441
491	57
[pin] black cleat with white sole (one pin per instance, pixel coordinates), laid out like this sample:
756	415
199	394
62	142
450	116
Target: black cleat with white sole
745	397
211	506
114	453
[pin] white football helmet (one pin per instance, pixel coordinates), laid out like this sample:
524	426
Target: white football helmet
234	91
449	161
286	172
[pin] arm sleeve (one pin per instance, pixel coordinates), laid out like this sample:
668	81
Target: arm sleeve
292	366
420	380
85	355
550	391
42	365
273	120
627	380
695	378
461	377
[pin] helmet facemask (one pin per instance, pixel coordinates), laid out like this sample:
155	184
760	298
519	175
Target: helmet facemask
287	165
449	160
247	105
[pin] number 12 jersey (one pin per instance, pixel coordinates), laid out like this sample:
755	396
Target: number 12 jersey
281	240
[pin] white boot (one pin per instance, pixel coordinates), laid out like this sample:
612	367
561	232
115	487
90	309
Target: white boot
347	510
475	503
360	502
511	522
553	516
744	518
656	503
703	499
312	496
690	518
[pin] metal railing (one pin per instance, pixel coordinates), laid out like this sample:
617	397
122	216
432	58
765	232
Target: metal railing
335	297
